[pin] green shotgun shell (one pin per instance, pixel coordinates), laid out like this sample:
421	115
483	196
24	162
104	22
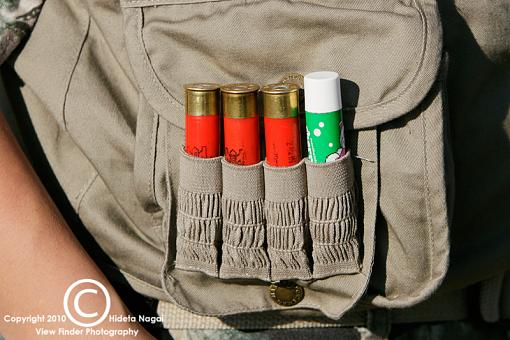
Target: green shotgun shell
324	124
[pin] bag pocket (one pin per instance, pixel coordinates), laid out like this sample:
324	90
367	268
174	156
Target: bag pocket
199	214
244	233
390	52
333	225
286	208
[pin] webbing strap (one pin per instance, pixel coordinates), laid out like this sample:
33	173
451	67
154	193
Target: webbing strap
490	296
444	307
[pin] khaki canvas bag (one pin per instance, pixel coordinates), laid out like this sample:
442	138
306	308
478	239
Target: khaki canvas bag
370	231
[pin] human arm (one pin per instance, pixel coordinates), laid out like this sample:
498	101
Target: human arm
40	257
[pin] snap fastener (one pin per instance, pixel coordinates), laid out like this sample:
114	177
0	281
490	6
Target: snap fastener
286	293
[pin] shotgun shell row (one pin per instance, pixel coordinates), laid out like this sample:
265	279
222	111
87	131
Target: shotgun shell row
241	137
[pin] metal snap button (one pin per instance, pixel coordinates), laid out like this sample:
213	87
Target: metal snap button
286	293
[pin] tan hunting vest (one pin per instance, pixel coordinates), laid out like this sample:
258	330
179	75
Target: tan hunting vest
414	215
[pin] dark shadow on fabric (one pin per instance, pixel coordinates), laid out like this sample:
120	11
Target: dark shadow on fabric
350	93
351	138
478	101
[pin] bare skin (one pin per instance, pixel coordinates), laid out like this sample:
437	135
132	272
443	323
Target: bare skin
40	257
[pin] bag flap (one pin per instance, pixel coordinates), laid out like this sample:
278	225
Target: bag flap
387	52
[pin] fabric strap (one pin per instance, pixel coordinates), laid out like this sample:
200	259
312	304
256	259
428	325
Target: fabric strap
444	307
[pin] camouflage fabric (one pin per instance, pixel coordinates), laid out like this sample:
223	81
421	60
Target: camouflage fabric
456	330
17	17
345	333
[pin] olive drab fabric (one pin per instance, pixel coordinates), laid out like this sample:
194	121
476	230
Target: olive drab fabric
425	89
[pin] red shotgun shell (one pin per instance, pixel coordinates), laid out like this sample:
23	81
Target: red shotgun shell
281	124
241	123
202	120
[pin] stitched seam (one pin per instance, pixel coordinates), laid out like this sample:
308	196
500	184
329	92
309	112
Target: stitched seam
285	200
298	225
256	168
191	217
73	69
244	225
153	155
427	197
165	230
194	192
148	65
158	3
351	240
280	202
155	3
225	244
211	244
338	265
227	197
343	193
347	218
83	191
283	250
199	267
